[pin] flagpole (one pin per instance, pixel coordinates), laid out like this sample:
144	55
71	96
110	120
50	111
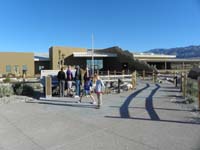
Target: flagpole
92	54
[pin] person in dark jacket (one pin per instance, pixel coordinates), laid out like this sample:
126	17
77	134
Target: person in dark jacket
61	80
78	79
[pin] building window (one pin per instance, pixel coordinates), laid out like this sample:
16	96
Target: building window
98	63
16	69
24	67
8	68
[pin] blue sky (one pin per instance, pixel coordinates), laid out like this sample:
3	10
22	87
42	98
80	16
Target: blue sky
135	25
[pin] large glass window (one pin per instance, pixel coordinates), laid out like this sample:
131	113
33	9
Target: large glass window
8	68
41	67
98	63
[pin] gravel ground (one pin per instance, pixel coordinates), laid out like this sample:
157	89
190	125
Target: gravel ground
14	99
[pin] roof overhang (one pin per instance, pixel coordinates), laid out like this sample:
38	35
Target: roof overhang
172	60
143	56
90	54
38	58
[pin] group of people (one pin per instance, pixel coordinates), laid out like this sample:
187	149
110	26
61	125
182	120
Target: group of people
91	84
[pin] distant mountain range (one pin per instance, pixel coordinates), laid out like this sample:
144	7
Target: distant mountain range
180	52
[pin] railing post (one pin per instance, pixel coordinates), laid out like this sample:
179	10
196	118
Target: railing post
108	72
48	87
174	78
119	82
184	84
122	74
199	90
181	86
134	80
115	74
153	75
143	74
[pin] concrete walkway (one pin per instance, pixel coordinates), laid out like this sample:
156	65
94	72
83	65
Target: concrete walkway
149	117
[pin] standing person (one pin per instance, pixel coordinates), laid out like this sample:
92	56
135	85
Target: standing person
61	80
87	87
69	80
78	81
99	90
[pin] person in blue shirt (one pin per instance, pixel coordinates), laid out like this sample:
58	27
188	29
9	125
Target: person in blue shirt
87	87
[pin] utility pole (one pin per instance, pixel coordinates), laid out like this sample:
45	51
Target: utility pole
92	55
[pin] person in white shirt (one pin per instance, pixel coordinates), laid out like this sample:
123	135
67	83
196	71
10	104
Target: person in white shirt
99	90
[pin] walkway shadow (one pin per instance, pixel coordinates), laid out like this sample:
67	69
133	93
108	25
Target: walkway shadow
157	108
169	91
167	109
124	113
149	104
57	100
63	103
175	96
161	120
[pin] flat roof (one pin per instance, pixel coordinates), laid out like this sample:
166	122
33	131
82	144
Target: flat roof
173	60
152	55
89	54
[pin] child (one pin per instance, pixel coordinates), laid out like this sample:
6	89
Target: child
87	87
99	90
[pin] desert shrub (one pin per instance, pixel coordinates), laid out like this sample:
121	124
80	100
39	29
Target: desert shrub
190	99
6	80
10	75
18	88
39	86
23	89
192	88
28	90
6	90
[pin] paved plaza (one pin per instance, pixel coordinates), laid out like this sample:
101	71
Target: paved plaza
151	117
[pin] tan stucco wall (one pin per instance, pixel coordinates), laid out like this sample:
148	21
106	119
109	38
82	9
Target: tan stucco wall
67	51
19	59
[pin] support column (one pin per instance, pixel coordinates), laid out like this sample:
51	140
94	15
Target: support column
143	74
183	67
134	80
184	84
153	76
165	65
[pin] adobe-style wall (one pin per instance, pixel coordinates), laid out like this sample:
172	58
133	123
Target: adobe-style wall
67	52
17	59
